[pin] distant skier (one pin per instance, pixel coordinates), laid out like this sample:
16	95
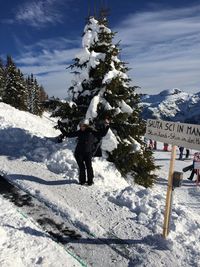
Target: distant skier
187	153
165	148
181	149
155	145
193	167
193	172
86	148
150	144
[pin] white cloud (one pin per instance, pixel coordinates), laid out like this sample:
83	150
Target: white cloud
163	48
39	13
56	82
49	65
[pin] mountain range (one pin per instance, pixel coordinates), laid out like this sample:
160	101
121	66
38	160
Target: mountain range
172	105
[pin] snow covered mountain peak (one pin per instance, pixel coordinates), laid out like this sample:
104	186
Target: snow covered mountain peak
173	91
173	104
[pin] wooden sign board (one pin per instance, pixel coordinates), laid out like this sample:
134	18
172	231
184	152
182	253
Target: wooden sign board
175	133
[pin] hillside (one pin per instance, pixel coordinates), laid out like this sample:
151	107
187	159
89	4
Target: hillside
174	105
118	224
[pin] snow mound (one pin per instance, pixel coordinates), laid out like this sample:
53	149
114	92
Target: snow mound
14	118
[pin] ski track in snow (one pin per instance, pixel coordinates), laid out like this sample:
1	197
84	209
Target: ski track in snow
127	219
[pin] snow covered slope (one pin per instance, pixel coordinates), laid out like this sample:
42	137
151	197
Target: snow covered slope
174	105
22	243
122	223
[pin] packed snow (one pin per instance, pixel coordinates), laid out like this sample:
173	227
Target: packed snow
126	218
23	243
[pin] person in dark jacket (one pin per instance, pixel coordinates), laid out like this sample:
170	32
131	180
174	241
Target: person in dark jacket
181	149
86	137
187	153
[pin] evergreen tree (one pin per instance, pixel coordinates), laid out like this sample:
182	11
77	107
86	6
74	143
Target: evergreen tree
32	95
21	93
10	89
36	101
38	110
15	93
43	97
101	88
42	94
21	96
36	95
2	78
51	104
29	94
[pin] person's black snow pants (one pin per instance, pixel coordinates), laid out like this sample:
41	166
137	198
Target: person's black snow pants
84	161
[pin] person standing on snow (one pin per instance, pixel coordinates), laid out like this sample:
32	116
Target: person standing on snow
165	148
181	149
150	144
187	153
84	151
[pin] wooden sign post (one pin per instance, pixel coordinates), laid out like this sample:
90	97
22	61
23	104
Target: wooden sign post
168	205
177	134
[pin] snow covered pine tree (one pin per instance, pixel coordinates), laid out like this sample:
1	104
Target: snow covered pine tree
101	88
19	92
14	92
2	78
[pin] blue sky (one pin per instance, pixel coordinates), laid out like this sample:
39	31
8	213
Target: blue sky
159	39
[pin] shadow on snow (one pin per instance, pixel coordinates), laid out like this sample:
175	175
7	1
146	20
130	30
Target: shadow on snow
16	143
40	180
